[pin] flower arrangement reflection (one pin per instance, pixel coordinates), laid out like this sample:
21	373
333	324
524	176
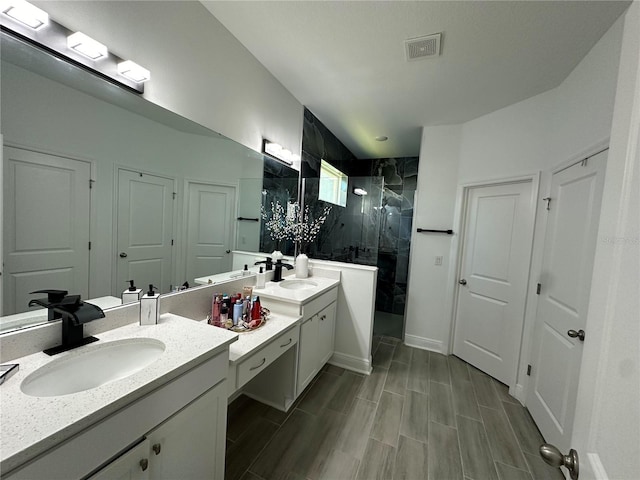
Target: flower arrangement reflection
293	223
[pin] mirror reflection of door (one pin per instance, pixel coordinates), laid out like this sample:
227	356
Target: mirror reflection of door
210	224
144	230
46	226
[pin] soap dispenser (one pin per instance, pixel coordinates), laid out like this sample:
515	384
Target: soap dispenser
131	294
150	307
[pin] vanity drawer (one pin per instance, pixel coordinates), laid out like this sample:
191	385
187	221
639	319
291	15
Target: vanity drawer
261	359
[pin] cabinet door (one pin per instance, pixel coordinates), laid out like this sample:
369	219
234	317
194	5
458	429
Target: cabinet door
191	444
326	329
308	353
132	465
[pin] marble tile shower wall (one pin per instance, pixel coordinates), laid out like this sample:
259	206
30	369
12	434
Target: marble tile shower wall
373	230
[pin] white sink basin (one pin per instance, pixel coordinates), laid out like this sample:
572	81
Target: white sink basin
98	364
298	284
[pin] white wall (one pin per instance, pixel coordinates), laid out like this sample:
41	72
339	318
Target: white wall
522	139
434	209
607	430
188	50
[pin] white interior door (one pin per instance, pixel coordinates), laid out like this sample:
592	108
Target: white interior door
495	268
144	230
210	224
570	240
46	226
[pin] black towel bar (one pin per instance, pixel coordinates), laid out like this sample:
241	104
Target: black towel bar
249	219
426	230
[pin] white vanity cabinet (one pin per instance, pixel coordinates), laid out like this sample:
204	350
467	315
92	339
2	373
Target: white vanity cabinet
186	446
316	337
177	431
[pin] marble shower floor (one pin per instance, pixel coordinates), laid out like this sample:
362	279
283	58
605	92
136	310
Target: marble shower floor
419	415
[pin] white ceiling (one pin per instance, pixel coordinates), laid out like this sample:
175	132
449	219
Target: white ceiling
345	60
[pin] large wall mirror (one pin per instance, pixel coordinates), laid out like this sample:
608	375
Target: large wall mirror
101	186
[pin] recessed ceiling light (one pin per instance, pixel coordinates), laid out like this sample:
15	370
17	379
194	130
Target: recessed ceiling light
87	46
25	13
381	138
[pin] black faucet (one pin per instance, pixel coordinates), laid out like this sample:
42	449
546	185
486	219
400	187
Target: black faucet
53	296
277	274
268	263
74	313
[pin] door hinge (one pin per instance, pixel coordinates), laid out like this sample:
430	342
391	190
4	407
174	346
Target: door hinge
548	200
538	288
91	182
529	370
174	195
172	242
89	245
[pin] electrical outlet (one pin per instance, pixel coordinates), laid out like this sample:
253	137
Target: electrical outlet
438	261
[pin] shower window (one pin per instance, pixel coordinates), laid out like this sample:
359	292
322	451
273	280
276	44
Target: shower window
333	185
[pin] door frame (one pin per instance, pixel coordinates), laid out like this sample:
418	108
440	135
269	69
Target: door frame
93	213
457	245
182	240
115	289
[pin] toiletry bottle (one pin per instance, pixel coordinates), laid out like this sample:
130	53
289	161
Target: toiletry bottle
131	294
246	309
261	279
246	271
256	309
237	312
215	310
150	307
224	316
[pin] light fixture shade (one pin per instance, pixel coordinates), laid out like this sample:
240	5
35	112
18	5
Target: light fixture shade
25	13
359	191
133	71
87	46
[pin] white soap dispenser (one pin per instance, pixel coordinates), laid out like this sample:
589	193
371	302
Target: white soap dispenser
150	307
131	294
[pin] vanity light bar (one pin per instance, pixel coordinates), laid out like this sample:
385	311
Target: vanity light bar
133	71
25	13
27	23
276	151
87	46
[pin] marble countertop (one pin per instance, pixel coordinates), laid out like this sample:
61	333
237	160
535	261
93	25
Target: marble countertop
30	425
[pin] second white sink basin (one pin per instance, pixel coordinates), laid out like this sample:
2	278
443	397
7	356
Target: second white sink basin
98	364
298	284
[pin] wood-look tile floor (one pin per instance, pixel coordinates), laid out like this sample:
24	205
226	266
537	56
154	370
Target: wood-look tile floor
419	415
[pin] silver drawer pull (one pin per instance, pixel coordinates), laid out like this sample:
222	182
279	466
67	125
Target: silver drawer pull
288	343
264	360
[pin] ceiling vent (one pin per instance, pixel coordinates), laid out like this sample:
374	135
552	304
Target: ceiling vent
423	47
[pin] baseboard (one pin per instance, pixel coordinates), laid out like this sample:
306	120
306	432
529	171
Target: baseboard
425	344
518	393
349	362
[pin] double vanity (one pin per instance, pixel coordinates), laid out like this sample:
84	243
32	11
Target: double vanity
150	401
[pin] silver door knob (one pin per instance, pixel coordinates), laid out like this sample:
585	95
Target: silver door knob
462	282
579	334
123	254
555	458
